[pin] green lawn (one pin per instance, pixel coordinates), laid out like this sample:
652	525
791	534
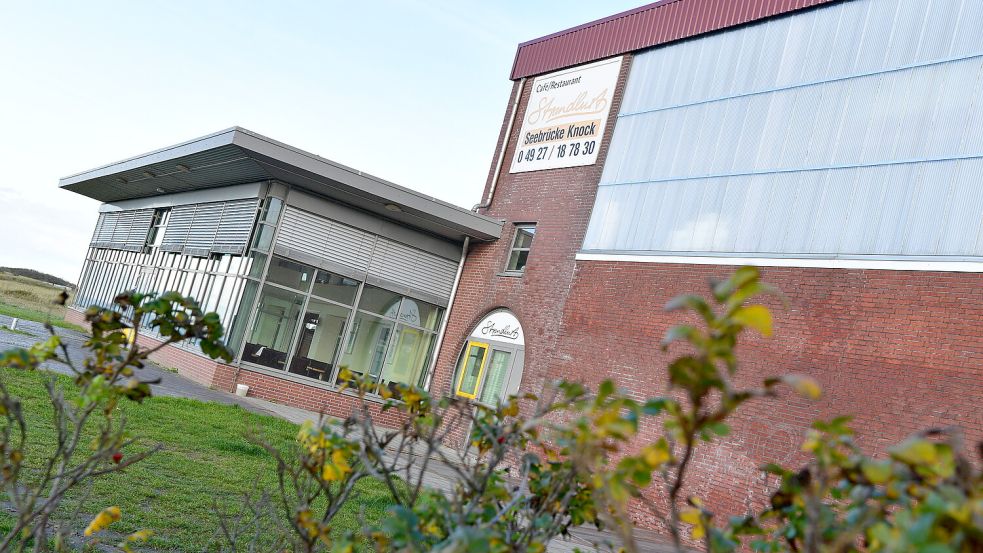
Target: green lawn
30	314
205	459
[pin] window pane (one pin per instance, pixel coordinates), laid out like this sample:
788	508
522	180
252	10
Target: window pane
498	368
334	287
319	340
264	237
273	208
368	338
276	317
290	273
517	261
257	265
470	370
377	300
408	359
523	237
419	313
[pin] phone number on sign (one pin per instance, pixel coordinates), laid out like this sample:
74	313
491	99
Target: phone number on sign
539	153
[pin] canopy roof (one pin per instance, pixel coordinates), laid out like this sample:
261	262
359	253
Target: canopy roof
238	156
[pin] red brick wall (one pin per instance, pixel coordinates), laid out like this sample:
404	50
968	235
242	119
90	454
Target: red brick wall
900	350
559	202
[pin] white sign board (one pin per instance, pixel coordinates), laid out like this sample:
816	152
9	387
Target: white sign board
500	325
565	117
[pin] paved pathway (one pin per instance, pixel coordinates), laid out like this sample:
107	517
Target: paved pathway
171	384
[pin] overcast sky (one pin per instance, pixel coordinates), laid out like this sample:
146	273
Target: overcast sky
410	91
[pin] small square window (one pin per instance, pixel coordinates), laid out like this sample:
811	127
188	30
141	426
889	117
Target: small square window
519	254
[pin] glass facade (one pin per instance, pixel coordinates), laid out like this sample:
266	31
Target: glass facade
217	281
280	313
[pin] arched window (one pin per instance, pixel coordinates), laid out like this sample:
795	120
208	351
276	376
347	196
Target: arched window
490	367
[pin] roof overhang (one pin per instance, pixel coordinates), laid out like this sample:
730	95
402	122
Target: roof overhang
238	156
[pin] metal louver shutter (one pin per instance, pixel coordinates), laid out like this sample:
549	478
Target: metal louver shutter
124	221
325	239
176	234
103	235
203	228
122	230
238	218
413	268
136	237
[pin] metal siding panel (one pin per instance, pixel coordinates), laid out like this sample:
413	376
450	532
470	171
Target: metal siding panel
325	239
413	268
238	219
178	228
204	227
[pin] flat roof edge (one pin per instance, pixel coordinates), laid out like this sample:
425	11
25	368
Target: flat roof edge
266	150
220	138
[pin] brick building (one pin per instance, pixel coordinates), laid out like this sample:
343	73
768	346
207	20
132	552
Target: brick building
837	145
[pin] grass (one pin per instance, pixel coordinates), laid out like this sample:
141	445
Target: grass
33	300
205	459
14	331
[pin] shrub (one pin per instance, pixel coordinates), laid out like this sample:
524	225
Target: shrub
533	467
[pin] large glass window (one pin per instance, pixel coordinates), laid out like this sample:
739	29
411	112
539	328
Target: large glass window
368	340
276	317
334	287
391	338
290	274
319	339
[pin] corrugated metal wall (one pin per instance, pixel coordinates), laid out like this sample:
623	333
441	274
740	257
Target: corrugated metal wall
850	130
370	255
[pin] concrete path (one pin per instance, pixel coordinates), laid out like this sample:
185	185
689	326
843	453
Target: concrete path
439	476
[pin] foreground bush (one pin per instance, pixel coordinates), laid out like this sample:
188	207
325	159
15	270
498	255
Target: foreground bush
533	468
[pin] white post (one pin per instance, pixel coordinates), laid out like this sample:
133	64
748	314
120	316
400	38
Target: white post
13	324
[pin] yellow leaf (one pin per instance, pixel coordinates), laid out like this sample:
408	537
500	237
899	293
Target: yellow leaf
101	521
690	516
878	472
754	316
812	442
694	517
656	454
915	451
803	385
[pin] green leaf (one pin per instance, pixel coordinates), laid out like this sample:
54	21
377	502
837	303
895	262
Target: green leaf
757	317
719	428
654	406
683	332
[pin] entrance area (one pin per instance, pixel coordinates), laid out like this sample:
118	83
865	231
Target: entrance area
490	367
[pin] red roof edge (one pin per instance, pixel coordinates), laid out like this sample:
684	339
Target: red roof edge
642	27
